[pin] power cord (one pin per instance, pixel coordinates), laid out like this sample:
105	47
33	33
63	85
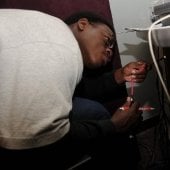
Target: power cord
161	130
153	55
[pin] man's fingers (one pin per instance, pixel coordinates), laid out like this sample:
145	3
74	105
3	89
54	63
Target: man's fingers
135	106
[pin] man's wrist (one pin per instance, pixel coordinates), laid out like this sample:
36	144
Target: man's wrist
118	75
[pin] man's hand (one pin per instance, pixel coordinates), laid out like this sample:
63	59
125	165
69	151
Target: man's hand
124	120
133	71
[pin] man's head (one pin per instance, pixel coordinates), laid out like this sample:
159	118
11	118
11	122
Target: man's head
95	37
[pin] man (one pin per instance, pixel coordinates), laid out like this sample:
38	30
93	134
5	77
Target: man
41	64
105	85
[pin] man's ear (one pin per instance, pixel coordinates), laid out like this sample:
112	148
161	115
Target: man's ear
82	23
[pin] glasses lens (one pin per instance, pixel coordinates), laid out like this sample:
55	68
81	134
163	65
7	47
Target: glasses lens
109	43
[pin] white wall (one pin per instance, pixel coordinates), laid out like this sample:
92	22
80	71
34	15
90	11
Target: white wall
135	13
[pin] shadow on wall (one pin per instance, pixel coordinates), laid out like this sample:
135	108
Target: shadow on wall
136	50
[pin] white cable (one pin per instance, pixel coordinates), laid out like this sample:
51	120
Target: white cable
153	56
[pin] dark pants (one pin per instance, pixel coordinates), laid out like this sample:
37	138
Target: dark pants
85	109
109	152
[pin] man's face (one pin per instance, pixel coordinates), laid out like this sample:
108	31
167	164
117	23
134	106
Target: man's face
96	44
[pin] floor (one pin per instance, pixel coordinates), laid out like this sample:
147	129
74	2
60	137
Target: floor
154	149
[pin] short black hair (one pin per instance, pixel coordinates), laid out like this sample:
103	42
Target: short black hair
92	17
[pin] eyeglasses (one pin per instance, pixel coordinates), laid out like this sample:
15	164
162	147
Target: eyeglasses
109	43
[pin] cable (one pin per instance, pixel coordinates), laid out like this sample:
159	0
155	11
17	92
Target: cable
153	56
162	127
